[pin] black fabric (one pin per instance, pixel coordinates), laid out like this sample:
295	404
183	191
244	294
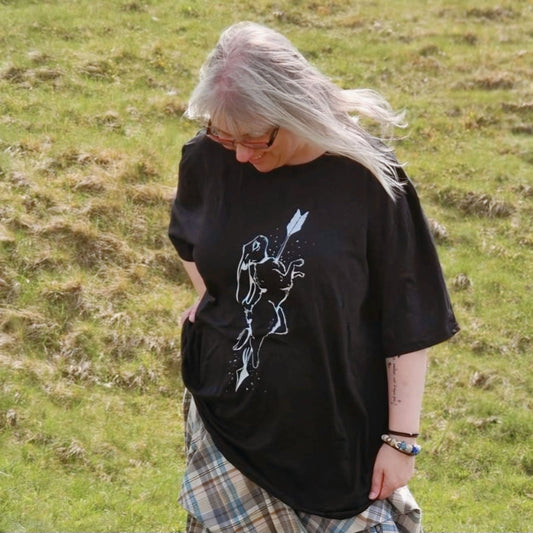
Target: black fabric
314	276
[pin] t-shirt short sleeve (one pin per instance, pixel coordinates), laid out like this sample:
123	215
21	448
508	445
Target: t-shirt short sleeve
411	301
185	220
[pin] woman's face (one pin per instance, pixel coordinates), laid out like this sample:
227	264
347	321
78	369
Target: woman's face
287	148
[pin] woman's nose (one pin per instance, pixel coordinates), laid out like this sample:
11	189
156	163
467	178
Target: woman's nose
242	153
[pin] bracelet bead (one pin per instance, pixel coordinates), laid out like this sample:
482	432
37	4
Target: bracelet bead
401	445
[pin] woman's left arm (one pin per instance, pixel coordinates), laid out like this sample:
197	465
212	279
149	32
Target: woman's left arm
406	376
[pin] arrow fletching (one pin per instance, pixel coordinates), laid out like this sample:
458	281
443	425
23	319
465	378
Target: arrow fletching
296	223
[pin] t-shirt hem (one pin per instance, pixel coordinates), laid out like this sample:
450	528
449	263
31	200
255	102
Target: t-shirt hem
241	466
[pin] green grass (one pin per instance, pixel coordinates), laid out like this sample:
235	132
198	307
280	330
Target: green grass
89	460
91	99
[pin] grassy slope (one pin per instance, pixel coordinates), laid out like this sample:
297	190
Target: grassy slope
90	291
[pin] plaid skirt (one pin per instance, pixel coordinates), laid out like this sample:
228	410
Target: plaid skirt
220	499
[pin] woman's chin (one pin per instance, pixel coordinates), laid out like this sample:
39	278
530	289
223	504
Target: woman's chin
261	166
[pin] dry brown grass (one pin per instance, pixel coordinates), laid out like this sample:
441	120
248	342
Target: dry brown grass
473	203
91	248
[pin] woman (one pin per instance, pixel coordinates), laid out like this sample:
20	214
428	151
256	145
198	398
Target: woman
320	292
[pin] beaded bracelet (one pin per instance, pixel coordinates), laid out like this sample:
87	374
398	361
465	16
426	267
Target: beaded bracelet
402	434
401	445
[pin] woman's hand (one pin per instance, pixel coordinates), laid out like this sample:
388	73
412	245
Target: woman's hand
199	285
190	313
392	470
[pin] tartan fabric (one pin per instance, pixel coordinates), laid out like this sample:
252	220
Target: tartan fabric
220	499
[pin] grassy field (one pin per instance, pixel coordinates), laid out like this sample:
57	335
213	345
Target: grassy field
91	100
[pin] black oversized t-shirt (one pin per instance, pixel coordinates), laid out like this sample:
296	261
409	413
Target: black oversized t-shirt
314	276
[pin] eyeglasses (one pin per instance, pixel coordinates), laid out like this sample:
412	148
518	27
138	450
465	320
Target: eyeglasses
231	143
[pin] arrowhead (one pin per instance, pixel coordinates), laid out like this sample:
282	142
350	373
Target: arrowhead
242	374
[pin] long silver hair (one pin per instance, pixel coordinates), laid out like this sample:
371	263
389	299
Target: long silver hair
255	79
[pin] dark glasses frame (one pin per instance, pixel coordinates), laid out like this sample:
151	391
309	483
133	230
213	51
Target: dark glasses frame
231	143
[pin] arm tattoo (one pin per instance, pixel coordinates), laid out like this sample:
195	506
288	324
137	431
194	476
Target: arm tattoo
393	386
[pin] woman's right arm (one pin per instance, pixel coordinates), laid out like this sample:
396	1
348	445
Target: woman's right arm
198	284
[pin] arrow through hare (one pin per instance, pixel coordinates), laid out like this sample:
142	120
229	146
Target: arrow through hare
261	277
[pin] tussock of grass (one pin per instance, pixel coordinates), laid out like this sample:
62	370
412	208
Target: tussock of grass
439	232
472	203
492	13
161	196
91	290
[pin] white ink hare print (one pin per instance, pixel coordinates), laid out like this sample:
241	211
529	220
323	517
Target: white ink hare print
263	277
